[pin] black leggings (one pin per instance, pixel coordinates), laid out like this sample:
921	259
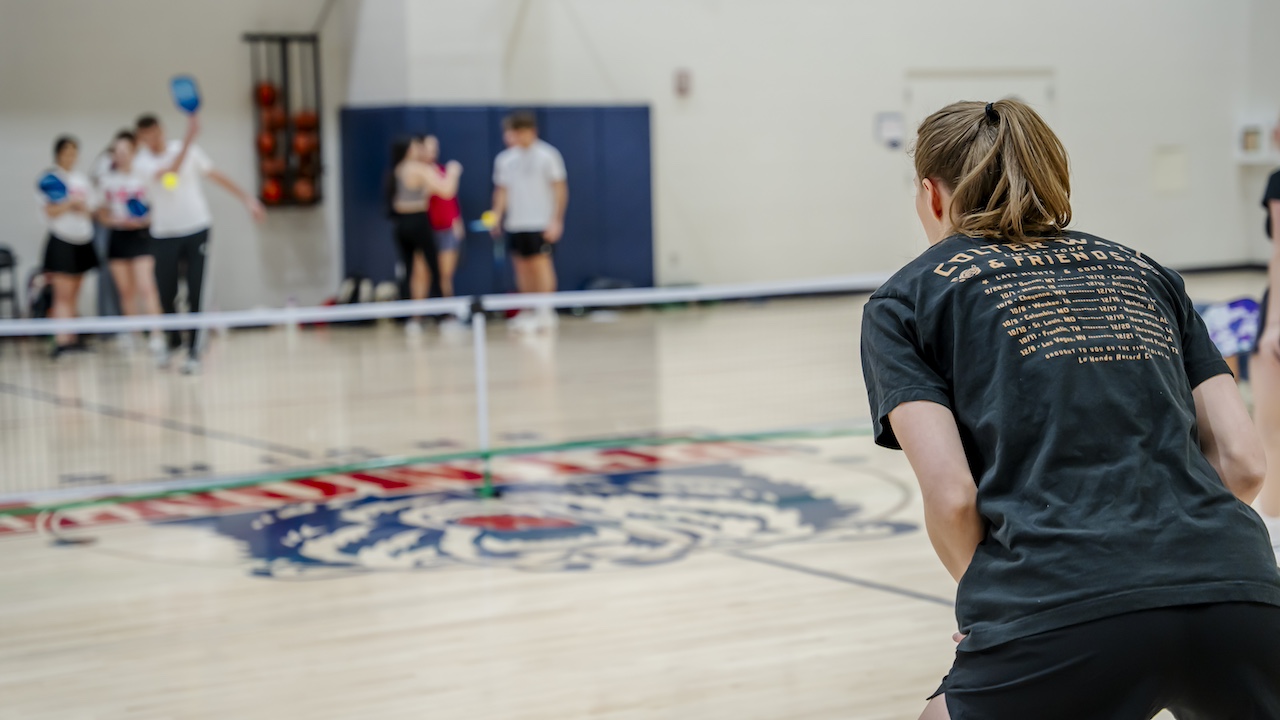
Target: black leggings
1202	662
175	256
414	235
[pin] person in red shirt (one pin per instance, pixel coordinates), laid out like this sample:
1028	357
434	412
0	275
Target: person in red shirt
446	219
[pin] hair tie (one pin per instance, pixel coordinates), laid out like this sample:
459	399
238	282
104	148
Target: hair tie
992	115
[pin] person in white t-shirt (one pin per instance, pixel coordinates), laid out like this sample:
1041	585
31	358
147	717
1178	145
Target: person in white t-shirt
180	218
125	211
108	297
530	194
68	202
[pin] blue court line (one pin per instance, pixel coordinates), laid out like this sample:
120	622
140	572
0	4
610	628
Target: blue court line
847	579
166	423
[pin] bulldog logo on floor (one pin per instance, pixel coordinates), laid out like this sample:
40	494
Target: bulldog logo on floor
595	522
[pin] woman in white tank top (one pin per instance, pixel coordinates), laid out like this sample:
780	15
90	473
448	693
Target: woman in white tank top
410	183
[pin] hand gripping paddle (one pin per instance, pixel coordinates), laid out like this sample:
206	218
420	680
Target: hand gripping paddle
53	188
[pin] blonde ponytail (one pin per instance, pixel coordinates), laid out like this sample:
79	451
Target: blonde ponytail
1006	169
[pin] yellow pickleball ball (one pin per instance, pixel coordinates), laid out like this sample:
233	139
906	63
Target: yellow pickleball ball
169	180
488	218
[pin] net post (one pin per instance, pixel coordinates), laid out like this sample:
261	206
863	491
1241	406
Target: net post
479	324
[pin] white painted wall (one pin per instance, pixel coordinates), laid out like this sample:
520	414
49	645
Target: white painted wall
90	68
769	170
431	51
379	60
458	53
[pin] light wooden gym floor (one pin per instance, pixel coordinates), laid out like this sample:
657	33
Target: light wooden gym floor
773	579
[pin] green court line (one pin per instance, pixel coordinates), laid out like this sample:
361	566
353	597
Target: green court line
401	461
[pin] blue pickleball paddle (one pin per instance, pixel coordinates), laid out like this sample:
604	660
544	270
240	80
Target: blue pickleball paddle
137	208
186	94
53	188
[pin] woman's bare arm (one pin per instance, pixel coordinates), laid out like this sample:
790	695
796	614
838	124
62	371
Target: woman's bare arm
1228	437
930	438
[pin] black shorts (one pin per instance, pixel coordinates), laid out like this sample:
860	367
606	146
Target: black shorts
1202	662
128	244
414	235
61	256
529	244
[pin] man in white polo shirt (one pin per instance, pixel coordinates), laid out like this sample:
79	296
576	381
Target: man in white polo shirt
180	218
530	195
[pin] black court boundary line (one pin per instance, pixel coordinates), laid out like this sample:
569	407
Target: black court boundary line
847	579
138	417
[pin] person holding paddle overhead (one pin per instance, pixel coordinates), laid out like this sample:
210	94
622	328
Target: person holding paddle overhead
68	203
180	218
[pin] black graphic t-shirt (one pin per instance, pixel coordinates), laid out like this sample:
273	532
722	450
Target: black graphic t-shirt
1271	193
1069	365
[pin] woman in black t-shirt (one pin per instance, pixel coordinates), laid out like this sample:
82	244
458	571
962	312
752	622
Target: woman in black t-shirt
1265	365
1084	458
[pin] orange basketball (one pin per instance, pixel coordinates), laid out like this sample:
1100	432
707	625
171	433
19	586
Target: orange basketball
273	118
265	94
305	143
304	191
266	142
306	120
271	191
273	165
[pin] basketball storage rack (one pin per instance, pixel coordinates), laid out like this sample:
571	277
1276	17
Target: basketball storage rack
287	117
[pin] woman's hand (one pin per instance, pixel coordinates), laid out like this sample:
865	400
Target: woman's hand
256	211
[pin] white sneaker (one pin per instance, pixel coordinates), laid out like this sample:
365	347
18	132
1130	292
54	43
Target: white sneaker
191	366
413	327
124	341
547	319
347	292
159	348
525	321
452	326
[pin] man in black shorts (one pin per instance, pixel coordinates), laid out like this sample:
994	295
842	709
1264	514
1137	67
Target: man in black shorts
529	199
